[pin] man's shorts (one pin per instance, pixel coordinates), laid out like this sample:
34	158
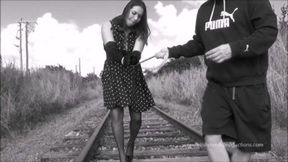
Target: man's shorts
241	113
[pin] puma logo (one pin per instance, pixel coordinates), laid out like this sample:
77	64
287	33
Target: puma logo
224	13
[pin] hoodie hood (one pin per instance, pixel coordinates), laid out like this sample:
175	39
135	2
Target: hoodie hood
213	9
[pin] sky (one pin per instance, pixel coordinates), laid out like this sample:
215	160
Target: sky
70	30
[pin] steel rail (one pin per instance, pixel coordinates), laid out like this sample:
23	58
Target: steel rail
189	131
97	133
196	135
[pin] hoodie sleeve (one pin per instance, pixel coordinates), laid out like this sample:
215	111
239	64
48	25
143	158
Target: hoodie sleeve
264	21
192	48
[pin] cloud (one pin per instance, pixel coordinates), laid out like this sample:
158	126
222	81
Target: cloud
54	43
169	29
9	51
194	4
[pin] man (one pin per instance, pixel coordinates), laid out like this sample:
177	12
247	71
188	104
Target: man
234	36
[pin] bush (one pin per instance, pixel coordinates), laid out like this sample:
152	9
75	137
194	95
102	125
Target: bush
27	99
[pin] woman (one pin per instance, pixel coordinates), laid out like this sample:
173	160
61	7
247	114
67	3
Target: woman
124	85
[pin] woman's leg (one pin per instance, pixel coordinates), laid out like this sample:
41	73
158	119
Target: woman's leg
118	130
135	124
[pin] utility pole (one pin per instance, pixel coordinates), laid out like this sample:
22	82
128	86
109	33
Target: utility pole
286	11
20	44
26	40
79	66
29	27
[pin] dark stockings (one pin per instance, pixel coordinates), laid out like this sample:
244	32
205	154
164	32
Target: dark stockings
118	130
135	124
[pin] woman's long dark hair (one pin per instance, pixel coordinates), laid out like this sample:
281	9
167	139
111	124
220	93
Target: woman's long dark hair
141	28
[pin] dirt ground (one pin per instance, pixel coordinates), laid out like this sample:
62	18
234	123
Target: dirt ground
29	147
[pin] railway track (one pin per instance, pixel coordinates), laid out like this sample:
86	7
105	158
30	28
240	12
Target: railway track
161	139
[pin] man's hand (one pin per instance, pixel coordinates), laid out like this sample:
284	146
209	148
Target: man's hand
162	54
219	54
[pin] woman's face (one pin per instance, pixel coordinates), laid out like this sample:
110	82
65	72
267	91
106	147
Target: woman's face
134	15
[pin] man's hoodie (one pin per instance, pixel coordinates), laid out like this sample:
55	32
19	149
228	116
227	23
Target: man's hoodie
248	26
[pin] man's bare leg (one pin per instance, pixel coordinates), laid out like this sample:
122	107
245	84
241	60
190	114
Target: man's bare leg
216	148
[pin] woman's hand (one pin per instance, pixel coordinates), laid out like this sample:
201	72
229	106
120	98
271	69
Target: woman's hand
126	60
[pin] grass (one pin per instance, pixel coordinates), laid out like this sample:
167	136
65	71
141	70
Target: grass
178	86
187	87
27	99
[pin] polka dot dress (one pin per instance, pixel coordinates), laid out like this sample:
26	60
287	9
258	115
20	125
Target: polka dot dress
125	85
